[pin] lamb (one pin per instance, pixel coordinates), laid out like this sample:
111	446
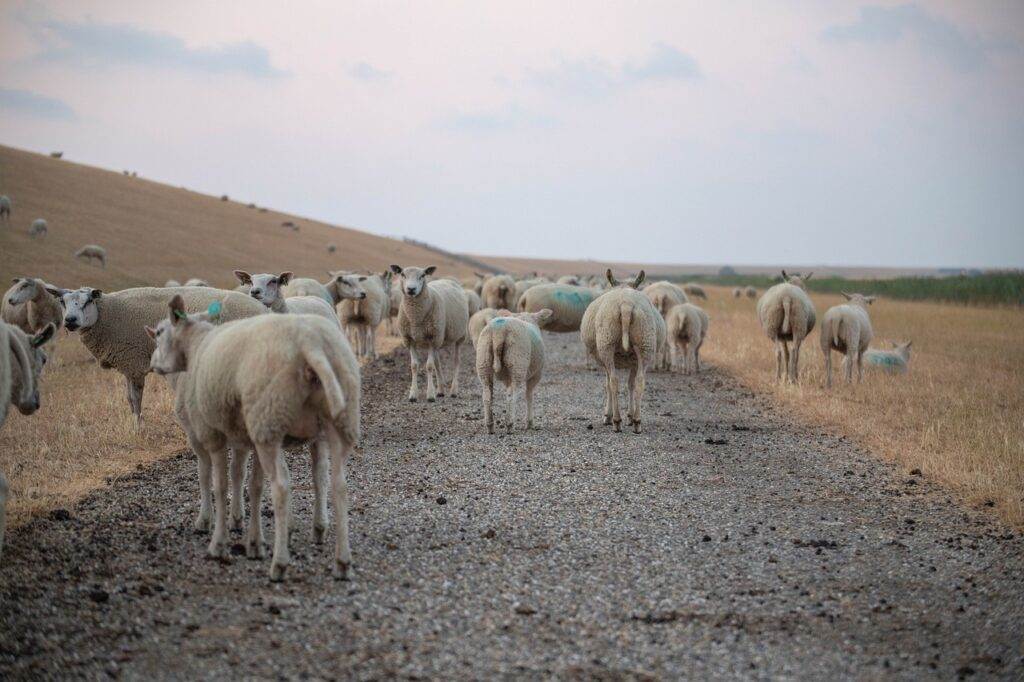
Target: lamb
431	317
266	289
737	292
622	329
751	292
787	315
687	327
847	329
38	228
566	302
499	292
91	251
31	304
307	286
511	350
895	361
112	325
694	289
5	207
473	302
480	319
196	282
171	283
252	384
362	313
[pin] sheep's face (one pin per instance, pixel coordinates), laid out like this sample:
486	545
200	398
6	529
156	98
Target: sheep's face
350	286
27	404
170	337
266	288
24	289
414	280
80	309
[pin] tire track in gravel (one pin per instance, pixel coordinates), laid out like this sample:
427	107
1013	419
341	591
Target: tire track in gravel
724	541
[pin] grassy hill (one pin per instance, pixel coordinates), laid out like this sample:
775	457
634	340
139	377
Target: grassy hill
153	232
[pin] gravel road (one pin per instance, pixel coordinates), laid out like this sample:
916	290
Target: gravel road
725	541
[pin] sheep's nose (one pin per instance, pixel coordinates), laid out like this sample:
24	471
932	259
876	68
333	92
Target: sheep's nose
255	292
410	291
362	294
71	323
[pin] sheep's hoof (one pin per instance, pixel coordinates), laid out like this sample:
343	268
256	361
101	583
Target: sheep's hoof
618	426
319	533
453	394
254	550
440	394
202	524
431	400
412	399
216	550
636	426
277	571
342	570
607	420
490	428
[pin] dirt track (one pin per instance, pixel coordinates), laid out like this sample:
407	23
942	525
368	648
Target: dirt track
724	541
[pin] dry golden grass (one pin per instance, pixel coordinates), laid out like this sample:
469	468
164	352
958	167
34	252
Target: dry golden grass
958	416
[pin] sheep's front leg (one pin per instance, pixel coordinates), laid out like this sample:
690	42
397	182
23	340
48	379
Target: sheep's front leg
239	456
340	451
432	375
456	357
414	364
273	463
371	342
220	494
320	451
254	538
135	389
202	522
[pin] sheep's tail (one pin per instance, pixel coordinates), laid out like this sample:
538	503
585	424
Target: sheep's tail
321	366
835	332
497	349
27	376
787	304
626	318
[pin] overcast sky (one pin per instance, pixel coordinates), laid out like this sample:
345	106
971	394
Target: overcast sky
705	132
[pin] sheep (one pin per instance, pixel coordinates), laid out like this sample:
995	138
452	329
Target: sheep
473	302
38	228
622	329
480	319
224	197
499	292
111	325
664	296
687	327
737	292
5	207
751	292
431	317
91	251
574	280
307	286
171	283
478	286
694	289
31	304
266	289
362	313
510	348
252	384
196	282
566	302
524	285
895	361
787	314
847	329
56	155
250	205
331	248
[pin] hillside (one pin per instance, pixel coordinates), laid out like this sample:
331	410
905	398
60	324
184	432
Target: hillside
154	232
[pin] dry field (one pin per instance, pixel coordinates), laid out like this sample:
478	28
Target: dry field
958	416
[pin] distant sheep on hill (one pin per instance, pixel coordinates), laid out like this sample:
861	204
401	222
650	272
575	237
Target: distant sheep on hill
91	252
56	155
751	292
331	248
38	228
5	207
694	289
224	197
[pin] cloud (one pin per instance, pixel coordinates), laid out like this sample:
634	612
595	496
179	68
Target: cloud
887	25
92	43
368	73
27	102
509	118
594	76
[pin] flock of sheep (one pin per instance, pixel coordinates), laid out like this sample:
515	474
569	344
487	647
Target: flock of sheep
40	228
276	362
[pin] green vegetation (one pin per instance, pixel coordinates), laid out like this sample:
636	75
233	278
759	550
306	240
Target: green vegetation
990	288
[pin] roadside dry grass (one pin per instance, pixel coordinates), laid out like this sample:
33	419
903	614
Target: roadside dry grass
958	416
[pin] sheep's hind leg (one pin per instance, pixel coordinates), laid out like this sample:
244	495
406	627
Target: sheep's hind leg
239	456
456	358
273	463
202	522
340	449
530	385
794	360
220	494
320	452
254	537
827	350
135	391
631	393
638	395
487	391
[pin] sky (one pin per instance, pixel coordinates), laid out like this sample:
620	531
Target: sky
839	133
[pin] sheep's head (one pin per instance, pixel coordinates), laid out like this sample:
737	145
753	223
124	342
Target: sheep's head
349	286
539	318
24	289
28	393
171	336
633	284
796	279
265	288
414	280
80	309
902	349
859	299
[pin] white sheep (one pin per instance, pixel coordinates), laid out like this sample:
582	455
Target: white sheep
395	298
480	319
331	248
510	348
751	292
431	317
111	326
362	313
31	304
171	283
307	286
478	286
196	282
847	329
499	292
267	289
252	384
895	361
566	302
737	292
38	228
664	296
687	327
473	301
5	207
787	315
622	329
56	155
524	285
92	251
694	289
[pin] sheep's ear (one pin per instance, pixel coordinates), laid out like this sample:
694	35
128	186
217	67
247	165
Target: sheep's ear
808	277
397	269
151	332
15	280
908	344
639	279
543	315
95	293
846	295
177	310
44	335
784	276
429	270
243	276
611	278
54	291
479	275
284	278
